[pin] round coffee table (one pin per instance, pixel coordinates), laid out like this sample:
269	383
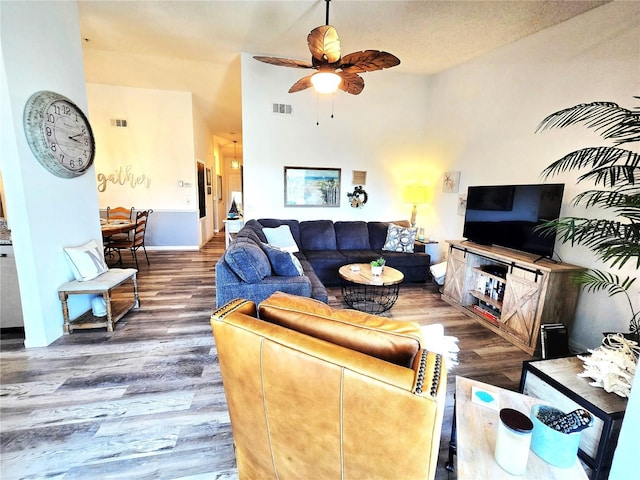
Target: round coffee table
370	293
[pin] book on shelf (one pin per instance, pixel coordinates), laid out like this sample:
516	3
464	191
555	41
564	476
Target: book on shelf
485	314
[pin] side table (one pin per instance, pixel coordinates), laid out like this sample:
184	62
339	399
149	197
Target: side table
231	227
556	382
370	293
476	428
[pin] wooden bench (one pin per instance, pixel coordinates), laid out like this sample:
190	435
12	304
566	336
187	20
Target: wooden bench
104	285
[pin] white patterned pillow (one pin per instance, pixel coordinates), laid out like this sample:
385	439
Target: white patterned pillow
399	239
86	261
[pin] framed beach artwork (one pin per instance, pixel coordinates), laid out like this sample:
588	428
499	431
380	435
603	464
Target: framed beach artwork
311	187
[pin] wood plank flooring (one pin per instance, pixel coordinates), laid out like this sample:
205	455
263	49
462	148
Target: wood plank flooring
146	401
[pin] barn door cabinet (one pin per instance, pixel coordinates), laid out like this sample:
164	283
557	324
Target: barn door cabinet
510	292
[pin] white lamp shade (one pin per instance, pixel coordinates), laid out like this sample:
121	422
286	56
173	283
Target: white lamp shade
325	82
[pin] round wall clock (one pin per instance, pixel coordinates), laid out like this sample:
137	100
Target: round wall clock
58	134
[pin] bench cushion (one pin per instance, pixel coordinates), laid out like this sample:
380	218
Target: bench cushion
108	280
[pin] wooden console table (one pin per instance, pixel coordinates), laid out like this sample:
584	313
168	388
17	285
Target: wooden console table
556	382
475	434
511	293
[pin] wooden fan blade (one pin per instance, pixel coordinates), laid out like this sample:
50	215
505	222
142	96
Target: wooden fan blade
368	61
284	62
324	44
351	82
302	84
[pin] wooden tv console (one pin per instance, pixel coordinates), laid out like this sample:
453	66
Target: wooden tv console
508	291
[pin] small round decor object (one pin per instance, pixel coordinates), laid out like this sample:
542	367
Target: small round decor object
59	134
513	441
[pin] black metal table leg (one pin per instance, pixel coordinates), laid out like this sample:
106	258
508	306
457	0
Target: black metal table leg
450	466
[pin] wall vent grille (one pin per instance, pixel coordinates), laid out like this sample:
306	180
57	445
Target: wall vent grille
282	109
116	122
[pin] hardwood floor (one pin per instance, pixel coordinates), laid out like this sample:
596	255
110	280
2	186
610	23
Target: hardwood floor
146	401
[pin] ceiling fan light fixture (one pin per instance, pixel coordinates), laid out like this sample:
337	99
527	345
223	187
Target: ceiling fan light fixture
325	82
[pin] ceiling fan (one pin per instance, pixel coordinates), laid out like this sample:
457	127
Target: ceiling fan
333	70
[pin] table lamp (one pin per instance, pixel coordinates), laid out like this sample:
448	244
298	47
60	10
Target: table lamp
416	194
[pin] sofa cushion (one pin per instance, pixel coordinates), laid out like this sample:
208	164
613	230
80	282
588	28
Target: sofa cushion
360	256
395	342
326	264
352	235
247	260
318	235
281	237
400	239
377	234
283	263
256	227
249	234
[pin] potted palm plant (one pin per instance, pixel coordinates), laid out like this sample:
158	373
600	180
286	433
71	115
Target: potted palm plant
377	266
615	174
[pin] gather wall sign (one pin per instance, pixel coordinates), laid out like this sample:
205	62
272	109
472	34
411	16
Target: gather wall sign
122	176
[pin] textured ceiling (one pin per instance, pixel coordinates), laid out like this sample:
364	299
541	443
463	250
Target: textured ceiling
195	45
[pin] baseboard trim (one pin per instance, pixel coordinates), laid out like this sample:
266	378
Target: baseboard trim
170	247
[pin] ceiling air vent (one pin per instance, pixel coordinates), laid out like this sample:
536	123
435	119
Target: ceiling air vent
116	122
282	109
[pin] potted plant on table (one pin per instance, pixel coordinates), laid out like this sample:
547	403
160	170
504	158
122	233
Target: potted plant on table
377	266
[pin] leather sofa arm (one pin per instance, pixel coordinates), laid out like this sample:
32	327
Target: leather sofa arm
431	374
239	305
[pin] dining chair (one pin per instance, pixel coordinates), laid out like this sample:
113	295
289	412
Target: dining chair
122	214
142	218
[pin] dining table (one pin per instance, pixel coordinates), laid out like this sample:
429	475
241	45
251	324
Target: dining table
109	228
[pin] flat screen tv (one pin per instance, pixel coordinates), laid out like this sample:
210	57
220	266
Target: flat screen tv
506	215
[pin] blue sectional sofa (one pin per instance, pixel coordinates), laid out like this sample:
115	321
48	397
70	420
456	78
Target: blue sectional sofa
249	270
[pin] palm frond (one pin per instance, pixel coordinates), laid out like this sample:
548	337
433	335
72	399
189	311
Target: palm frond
597	280
607	118
608	165
611	240
620	201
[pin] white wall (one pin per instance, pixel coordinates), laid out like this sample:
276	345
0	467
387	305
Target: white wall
380	131
157	146
482	116
40	46
141	165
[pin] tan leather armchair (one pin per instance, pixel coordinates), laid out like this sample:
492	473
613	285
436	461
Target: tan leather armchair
321	393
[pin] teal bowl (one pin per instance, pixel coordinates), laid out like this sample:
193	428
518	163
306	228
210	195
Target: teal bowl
554	447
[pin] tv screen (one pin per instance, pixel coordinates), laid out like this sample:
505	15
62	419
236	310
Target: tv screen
506	215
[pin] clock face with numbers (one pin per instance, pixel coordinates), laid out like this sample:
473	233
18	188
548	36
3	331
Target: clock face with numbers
58	134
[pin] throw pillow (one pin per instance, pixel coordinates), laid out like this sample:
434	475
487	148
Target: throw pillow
400	239
281	237
86	261
283	263
247	260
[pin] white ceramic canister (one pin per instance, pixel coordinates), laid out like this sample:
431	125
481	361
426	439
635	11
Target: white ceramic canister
513	441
